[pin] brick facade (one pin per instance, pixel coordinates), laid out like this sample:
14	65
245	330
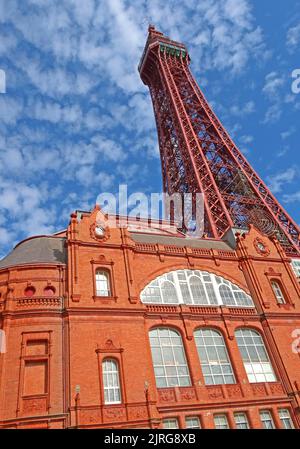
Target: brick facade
57	338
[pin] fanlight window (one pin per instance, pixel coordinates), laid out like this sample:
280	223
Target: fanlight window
194	287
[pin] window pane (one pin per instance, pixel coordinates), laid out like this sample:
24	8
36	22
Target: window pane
102	284
192	422
170	423
111	383
255	357
213	357
267	420
221	422
194	287
285	419
241	421
169	361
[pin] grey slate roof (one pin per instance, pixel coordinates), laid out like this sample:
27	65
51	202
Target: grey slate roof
43	249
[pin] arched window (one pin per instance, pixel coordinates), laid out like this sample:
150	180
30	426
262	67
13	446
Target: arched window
168	356
214	359
111	382
102	283
194	287
278	292
255	357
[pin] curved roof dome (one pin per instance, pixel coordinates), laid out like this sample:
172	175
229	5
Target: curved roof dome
42	249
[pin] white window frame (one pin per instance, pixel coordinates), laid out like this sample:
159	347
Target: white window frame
221	421
266	417
158	334
209	364
170	423
296	267
210	287
111	381
192	422
285	416
241	420
278	292
103	283
258	369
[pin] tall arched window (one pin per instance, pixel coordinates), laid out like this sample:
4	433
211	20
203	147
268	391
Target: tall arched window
214	359
255	357
102	283
168	356
194	287
111	382
278	292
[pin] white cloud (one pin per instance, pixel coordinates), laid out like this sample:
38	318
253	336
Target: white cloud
69	56
247	108
273	83
293	37
273	91
291	197
278	181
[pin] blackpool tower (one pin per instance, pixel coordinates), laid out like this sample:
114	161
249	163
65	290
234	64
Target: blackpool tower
197	154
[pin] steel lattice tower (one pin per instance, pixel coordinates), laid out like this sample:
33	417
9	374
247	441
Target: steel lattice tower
197	154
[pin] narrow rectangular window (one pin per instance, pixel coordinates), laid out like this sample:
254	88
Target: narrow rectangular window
102	284
241	421
171	423
221	422
286	419
111	382
266	419
192	422
278	292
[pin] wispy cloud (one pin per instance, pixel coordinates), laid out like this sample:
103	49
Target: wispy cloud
293	37
77	118
278	181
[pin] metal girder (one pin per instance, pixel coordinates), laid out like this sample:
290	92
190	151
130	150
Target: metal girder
197	154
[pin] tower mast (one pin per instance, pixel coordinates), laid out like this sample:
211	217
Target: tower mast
198	155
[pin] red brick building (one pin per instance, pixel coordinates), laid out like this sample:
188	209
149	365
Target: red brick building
138	327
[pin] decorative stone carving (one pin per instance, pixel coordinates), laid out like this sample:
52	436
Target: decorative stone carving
114	414
261	247
166	395
137	413
234	391
187	394
215	392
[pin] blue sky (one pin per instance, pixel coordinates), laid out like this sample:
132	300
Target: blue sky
76	120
